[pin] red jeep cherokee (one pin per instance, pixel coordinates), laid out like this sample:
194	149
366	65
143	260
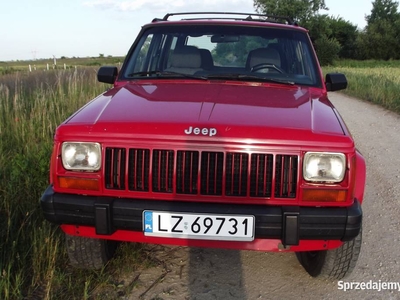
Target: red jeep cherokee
217	132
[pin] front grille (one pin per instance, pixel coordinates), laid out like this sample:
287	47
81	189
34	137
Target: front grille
115	164
261	175
163	169
187	171
286	176
212	165
202	173
138	170
236	174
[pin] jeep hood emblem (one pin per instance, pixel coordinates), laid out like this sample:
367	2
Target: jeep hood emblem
202	131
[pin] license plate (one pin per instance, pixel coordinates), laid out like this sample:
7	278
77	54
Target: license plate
198	226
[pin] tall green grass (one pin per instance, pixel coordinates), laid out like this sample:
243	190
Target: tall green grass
31	107
362	64
33	260
379	84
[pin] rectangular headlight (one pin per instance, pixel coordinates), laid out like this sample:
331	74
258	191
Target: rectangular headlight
79	156
324	167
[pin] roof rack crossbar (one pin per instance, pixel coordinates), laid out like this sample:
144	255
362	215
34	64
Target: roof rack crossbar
249	16
238	19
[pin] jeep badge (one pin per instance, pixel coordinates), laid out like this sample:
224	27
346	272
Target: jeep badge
203	131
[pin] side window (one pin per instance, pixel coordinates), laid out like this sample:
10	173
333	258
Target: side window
201	42
169	52
299	57
149	53
306	61
141	58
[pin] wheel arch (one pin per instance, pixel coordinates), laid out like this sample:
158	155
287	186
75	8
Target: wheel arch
360	177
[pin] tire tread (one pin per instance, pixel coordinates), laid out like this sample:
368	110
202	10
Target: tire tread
333	264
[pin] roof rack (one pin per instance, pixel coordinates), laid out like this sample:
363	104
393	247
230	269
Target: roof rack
265	18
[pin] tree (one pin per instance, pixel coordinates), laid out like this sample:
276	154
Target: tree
327	50
346	34
318	26
380	38
300	10
380	41
306	12
383	10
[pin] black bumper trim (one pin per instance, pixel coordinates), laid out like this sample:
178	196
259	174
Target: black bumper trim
288	223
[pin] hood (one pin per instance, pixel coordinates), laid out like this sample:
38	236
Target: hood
210	109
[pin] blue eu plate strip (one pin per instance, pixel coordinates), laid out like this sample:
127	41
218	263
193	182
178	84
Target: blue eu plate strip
148	221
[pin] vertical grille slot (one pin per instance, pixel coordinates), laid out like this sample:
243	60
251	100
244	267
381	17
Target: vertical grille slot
163	170
115	165
212	166
138	170
286	176
261	175
187	167
236	171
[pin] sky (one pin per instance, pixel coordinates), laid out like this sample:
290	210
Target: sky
46	28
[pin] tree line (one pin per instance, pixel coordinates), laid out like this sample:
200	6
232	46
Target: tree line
334	37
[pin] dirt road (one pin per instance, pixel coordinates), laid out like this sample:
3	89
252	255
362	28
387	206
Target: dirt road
193	273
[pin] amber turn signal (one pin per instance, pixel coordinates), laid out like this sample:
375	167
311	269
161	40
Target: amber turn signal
324	195
79	183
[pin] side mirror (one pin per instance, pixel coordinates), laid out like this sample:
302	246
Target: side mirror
107	74
335	82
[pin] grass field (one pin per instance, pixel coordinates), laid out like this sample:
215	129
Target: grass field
374	81
61	63
32	257
33	261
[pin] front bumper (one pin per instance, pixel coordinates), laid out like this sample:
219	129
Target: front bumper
290	224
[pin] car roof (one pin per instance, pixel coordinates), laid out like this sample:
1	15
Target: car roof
227	18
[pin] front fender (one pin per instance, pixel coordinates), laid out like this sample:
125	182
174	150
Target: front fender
361	174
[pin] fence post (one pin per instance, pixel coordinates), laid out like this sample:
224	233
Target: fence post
30	68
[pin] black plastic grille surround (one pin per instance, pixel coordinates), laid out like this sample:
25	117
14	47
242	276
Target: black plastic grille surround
202	172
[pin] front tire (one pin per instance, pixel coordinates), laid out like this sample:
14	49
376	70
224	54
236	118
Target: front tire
332	264
87	253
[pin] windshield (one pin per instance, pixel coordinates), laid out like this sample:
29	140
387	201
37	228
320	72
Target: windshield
224	52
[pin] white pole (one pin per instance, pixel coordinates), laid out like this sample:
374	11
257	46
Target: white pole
30	68
47	67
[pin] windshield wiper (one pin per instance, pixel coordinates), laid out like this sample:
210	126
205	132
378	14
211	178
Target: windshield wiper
249	77
158	73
